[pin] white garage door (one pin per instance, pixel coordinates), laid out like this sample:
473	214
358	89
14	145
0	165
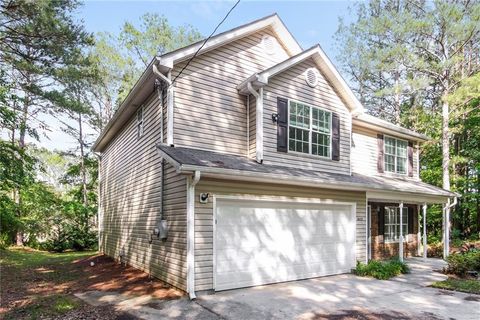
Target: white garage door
260	242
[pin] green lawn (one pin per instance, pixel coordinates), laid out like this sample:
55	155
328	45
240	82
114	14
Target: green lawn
29	258
463	285
33	283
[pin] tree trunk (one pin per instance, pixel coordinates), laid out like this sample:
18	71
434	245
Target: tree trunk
82	161
445	144
21	144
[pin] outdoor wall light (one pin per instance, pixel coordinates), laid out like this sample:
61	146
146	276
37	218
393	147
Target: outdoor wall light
204	197
275	117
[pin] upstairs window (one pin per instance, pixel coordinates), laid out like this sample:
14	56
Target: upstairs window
392	223
140	125
309	130
395	155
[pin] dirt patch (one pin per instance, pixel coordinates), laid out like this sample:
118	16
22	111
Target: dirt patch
108	275
48	289
363	314
472	298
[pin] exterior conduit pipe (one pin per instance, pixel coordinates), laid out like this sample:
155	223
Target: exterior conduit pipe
170	95
446	236
191	182
258	121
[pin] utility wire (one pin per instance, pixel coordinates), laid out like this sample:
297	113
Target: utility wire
204	42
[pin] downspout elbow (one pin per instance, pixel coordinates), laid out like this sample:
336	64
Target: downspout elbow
161	75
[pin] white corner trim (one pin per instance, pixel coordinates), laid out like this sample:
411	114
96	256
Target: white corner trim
258	121
191	182
259	126
170	108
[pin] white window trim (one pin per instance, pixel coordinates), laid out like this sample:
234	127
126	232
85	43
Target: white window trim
406	225
309	130
140	123
396	157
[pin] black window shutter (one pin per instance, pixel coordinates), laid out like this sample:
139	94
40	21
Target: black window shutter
381	220
410	158
380	154
282	124
410	220
335	137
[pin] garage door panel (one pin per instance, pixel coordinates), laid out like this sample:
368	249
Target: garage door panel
260	242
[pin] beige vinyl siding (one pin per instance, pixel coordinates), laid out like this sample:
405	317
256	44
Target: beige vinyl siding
204	216
365	151
131	202
209	112
291	85
252	128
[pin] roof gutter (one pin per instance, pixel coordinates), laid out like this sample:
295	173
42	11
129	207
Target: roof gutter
287	179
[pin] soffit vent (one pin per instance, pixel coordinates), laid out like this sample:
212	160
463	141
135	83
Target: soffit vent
269	44
311	77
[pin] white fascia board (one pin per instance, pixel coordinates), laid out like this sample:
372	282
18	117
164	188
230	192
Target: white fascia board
371	122
169	159
121	116
273	21
242	175
405	197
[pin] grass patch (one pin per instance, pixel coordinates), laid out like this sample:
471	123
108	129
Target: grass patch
44	307
382	270
462	285
28	258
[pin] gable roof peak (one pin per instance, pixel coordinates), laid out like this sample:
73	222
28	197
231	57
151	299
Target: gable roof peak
323	63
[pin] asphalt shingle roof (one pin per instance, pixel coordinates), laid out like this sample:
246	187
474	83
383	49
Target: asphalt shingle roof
208	159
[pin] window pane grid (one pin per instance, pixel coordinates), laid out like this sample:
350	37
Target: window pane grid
392	223
309	130
395	155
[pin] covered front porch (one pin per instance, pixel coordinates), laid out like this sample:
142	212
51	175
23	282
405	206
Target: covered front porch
397	223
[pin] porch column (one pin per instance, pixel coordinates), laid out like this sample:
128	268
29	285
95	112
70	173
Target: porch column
424	231
446	229
400	242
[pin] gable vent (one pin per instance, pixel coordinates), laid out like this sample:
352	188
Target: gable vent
269	44
311	77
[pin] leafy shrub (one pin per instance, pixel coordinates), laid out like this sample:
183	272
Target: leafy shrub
435	250
382	270
461	263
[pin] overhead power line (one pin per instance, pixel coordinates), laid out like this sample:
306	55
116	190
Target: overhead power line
204	42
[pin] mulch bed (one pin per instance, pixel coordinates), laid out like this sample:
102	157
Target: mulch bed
21	287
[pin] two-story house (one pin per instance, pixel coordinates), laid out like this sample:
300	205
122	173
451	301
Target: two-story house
255	164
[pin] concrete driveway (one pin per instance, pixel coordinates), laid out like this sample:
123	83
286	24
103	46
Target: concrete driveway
335	297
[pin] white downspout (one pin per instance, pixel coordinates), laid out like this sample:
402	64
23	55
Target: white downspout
446	237
169	105
424	231
400	242
258	120
248	126
191	182
170	95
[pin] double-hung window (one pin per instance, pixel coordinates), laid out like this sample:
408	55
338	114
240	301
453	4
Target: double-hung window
392	223
140	125
309	129
395	155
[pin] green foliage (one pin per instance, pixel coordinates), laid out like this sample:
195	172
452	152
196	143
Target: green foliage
121	58
382	270
410	58
462	285
461	263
